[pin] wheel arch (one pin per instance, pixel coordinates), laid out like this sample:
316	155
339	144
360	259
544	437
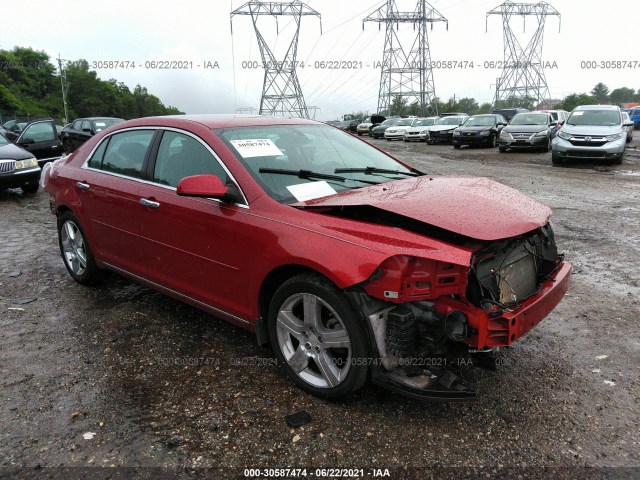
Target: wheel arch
270	284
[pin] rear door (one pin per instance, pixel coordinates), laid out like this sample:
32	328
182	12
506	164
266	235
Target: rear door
110	188
41	139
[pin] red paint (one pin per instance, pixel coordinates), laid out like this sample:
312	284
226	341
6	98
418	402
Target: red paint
219	254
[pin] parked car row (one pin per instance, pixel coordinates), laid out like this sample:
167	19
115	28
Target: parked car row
26	146
588	132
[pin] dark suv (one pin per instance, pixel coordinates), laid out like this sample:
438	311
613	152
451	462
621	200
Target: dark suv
40	138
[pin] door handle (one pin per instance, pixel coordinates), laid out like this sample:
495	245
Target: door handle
149	203
82	185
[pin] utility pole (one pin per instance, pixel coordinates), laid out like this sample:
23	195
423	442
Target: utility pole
523	73
64	87
281	92
406	73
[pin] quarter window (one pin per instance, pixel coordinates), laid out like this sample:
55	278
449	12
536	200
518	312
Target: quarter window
126	151
180	156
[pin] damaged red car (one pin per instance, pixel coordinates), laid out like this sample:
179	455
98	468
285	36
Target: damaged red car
352	265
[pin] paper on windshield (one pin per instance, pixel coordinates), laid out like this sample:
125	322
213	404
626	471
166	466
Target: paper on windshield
311	190
259	147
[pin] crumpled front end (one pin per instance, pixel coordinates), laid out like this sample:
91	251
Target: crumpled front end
424	314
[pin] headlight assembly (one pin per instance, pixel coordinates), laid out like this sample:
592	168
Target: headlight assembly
564	135
28	163
543	133
614	137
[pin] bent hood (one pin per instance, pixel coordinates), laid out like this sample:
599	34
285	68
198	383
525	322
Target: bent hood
477	208
442	128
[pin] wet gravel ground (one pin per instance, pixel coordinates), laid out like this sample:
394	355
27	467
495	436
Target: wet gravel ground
118	375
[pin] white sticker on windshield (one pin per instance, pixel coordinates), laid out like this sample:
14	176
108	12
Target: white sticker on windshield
577	114
259	147
101	124
311	190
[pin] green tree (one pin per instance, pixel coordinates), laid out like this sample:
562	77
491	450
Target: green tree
601	93
485	108
622	95
572	101
399	105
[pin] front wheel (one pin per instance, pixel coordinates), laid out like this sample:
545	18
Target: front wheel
502	149
493	141
317	337
75	250
556	160
30	187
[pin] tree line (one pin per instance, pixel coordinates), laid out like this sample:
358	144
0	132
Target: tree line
30	85
600	94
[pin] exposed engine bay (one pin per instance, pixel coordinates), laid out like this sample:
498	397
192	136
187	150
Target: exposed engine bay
418	339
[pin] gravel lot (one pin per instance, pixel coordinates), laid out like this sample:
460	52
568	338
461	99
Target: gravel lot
121	376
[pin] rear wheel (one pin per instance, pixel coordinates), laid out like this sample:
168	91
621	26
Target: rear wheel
75	250
317	337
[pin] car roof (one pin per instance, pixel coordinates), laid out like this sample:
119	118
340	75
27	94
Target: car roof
597	107
219	121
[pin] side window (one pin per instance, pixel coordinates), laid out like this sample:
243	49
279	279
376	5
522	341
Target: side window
77	125
98	154
39	132
126	151
86	125
180	156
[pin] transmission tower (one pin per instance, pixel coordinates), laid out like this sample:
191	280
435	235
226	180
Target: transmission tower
406	73
523	71
281	92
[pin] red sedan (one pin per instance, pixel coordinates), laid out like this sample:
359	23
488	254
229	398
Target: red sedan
354	266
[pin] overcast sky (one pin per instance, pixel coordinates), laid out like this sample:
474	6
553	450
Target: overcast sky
198	31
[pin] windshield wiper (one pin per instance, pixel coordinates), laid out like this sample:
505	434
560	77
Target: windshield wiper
370	170
309	175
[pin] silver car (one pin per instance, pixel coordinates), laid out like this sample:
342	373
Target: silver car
593	132
627	119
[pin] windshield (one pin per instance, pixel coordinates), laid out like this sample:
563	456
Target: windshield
597	118
480	122
312	148
530	119
421	122
405	122
104	123
449	121
390	122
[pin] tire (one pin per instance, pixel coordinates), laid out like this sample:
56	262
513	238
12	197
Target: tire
556	160
493	141
75	251
300	344
429	142
30	187
457	147
388	139
617	161
502	149
359	134
66	146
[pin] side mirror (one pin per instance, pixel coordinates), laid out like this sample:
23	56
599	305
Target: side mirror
628	124
207	186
